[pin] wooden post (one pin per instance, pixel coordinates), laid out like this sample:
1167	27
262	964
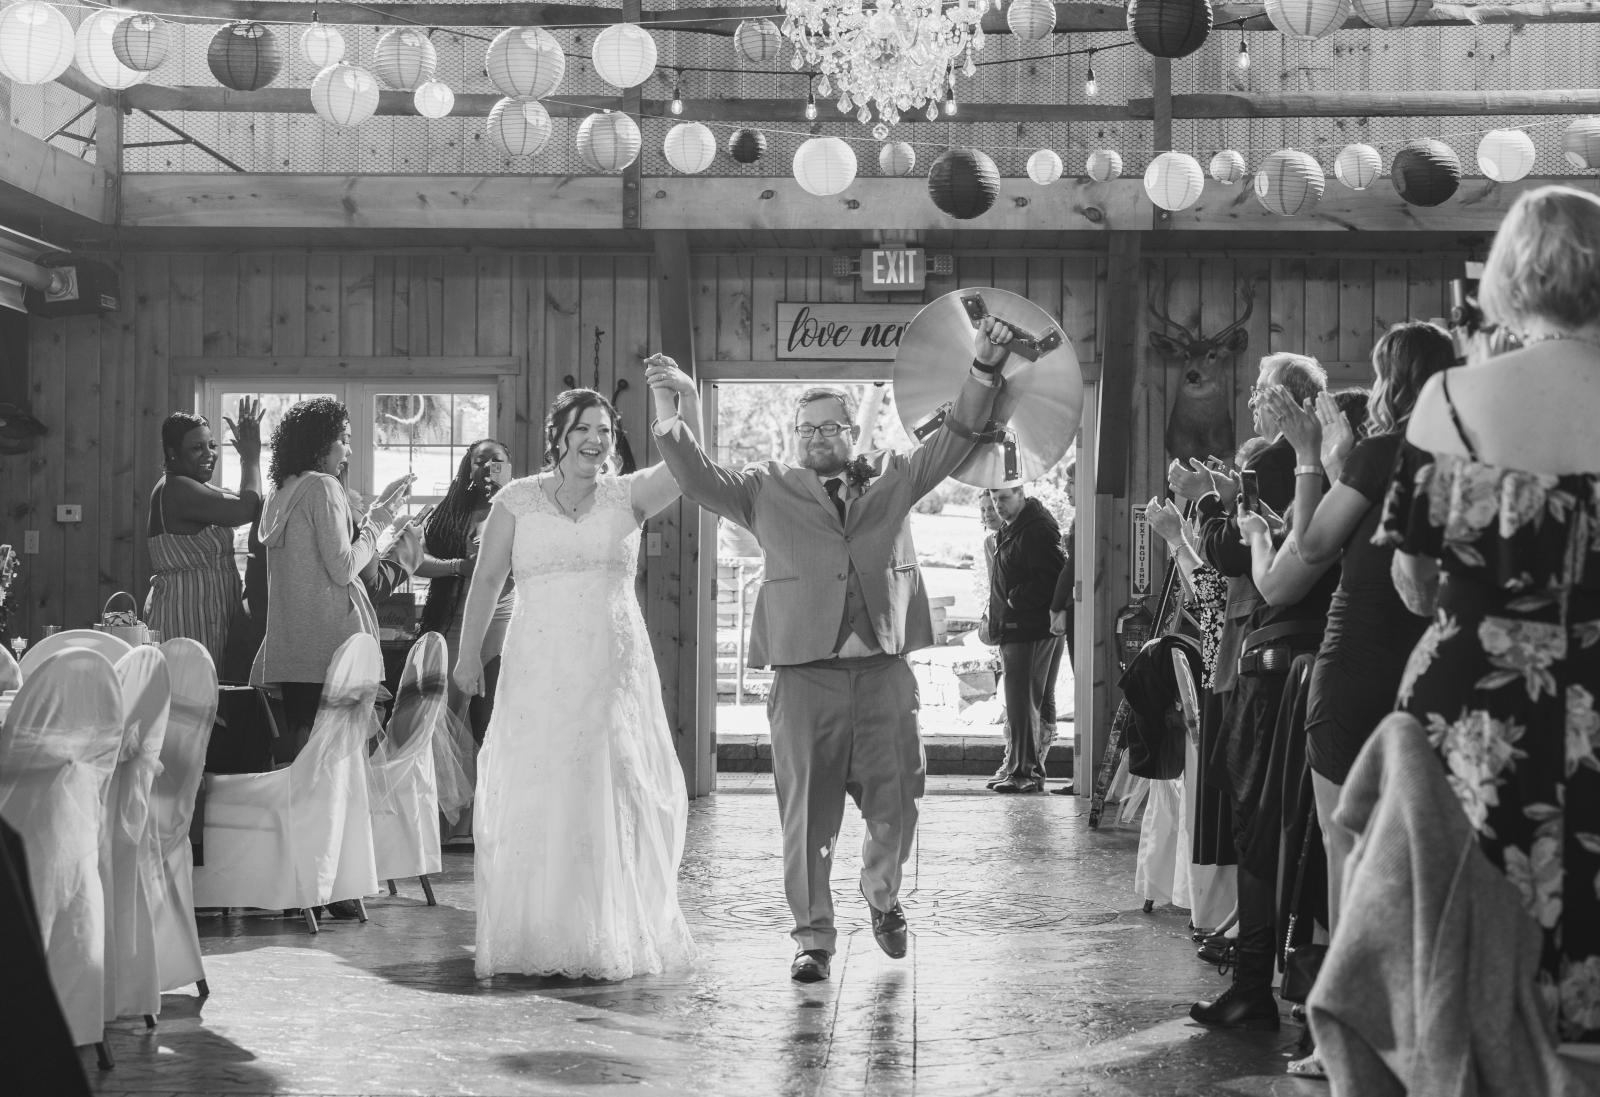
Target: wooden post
108	158
631	103
1161	102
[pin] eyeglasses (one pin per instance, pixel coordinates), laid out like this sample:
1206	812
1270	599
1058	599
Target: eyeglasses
829	429
1256	396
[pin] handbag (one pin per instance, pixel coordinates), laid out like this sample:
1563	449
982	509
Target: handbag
985	633
1301	963
124	624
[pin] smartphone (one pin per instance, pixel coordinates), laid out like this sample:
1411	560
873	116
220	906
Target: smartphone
422	515
1249	491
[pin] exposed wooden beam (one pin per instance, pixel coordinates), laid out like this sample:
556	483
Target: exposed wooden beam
1120	365
108	158
328	366
37	179
1371	104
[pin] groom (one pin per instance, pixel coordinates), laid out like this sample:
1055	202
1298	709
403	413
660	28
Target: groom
841	604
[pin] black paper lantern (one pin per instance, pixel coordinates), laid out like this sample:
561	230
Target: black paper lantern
1426	172
244	56
747	146
964	183
1169	28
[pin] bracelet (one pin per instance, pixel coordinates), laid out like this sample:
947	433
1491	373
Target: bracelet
1307	470
987	370
455	568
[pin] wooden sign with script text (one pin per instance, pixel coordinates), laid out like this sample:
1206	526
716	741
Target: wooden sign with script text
839	332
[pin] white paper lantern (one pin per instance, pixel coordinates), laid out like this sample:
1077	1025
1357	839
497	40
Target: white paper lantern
1389	14
1357	166
758	40
824	165
1044	167
344	94
608	142
624	55
36	42
1103	165
897	158
434	99
142	42
1308	18
404	57
519	127
1289	182
1580	143
96	55
1227	167
1031	19
1506	155
1174	181
321	46
690	147
525	62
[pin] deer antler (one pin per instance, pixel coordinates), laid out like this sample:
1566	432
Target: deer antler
1161	313
1247	291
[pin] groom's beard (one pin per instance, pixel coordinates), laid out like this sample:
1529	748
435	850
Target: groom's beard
823	462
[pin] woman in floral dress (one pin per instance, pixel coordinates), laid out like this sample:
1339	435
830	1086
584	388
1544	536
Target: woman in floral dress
1500	491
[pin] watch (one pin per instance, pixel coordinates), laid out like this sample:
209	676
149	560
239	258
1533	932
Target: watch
1308	470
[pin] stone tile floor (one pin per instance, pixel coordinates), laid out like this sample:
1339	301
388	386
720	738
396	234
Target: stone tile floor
1033	971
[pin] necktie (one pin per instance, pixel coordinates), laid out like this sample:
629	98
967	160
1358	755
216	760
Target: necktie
833	487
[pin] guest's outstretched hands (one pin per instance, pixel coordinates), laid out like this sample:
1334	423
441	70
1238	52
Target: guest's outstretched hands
1191	481
1299	424
667	383
246	429
989	341
1165	520
1337	437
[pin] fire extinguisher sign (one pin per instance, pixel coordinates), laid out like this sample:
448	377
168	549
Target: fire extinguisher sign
1139	574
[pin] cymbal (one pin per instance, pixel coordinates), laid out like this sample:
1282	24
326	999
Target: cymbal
1038	408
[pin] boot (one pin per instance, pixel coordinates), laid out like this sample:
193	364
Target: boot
1248	1003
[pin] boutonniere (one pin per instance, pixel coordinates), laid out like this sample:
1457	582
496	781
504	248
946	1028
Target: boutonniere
860	472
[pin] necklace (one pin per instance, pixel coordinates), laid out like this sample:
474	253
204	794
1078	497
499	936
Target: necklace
573	506
1552	336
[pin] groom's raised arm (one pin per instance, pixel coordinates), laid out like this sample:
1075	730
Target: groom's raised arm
728	493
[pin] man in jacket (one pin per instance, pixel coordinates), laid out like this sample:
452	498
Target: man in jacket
1022	585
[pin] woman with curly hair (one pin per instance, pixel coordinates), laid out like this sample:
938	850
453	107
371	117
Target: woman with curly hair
316	550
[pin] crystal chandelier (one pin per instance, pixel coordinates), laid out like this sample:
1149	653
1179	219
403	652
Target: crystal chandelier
898	54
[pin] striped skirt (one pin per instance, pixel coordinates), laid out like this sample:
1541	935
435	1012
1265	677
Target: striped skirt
195	588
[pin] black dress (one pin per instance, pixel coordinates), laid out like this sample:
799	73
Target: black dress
1505	680
1370	632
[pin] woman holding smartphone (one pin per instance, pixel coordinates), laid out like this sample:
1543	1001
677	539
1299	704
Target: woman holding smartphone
454	532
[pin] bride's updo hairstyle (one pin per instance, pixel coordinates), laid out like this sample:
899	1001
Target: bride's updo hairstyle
566	411
1545	261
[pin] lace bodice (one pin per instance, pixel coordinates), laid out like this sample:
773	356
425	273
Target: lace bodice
606	538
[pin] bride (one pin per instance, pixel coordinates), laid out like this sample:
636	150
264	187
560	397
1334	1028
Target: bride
581	805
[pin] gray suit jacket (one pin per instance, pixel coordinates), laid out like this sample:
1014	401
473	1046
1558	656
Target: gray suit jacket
808	552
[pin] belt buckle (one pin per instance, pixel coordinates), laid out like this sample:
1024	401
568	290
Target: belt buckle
1274	659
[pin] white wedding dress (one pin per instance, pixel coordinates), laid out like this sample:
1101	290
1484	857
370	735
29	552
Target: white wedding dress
581	806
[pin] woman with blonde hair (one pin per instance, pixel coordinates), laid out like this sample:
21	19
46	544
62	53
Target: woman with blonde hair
1502	493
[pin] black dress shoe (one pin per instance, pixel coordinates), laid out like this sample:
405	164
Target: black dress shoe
1000	775
810	966
1012	784
1063	790
1223	954
889	929
1240	1007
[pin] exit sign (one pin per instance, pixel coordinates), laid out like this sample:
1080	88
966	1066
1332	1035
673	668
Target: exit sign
893	268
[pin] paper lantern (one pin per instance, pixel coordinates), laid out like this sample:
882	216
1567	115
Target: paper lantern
141	42
321	46
1169	28
244	56
1044	167
1103	165
1388	14
36	42
1580	143
1227	167
747	146
1506	155
1289	182
608	142
96	55
434	99
963	183
404	58
519	127
758	40
1174	180
624	55
1031	19
690	147
1357	166
525	62
1308	18
344	94
824	165
1425	172
897	158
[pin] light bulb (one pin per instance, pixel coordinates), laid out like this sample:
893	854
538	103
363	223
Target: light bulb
1091	86
811	109
950	105
1244	55
676	106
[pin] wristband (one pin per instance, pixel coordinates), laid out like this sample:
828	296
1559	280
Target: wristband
1308	470
987	370
455	568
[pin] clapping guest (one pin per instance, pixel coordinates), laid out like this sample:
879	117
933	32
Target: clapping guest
194	582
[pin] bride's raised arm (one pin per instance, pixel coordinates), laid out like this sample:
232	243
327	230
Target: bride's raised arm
488	580
674	394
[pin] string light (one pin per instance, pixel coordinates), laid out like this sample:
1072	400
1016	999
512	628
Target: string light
950	104
1244	53
811	105
1091	86
676	106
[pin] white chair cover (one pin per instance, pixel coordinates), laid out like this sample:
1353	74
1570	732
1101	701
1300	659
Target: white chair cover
301	836
403	774
103	642
183	759
130	855
1162	871
58	751
1213	889
10	673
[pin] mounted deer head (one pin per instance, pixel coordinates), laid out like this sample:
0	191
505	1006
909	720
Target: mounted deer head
1201	424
